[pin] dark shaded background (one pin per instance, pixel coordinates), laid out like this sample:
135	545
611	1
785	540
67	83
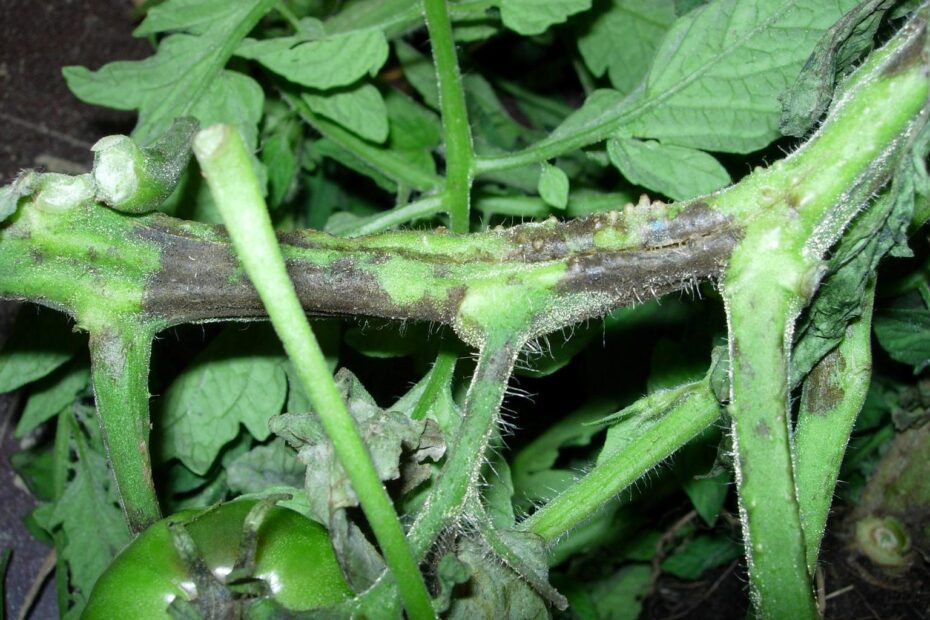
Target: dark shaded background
43	125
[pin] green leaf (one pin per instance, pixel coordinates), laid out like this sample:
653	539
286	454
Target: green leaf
392	16
905	334
553	186
716	79
52	394
535	16
675	171
842	45
616	597
42	341
405	160
497	496
700	555
271	465
87	522
535	476
238	379
493	126
173	82
361	110
335	60
708	495
234	99
280	162
683	7
198	17
419	71
598	108
415	131
622	40
36	468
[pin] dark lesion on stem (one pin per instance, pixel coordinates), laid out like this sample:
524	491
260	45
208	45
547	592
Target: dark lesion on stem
200	278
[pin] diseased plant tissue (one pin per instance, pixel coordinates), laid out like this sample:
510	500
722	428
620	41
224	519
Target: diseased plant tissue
665	217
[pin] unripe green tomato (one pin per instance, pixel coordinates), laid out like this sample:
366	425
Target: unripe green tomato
294	556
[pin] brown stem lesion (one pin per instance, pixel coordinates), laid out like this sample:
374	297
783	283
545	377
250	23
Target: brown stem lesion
642	258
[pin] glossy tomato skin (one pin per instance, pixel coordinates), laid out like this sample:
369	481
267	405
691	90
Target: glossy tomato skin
293	556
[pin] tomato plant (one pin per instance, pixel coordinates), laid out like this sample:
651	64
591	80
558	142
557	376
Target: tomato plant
293	562
452	225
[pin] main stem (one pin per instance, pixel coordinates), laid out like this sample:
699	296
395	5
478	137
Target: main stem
761	307
120	354
459	154
235	190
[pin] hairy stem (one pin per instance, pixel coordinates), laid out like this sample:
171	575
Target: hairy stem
425	207
120	354
460	475
761	310
440	375
501	543
691	409
832	397
235	189
459	154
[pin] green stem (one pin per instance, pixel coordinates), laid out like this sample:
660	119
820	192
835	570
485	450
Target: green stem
462	471
832	397
385	161
120	353
288	15
225	163
690	413
459	154
425	207
501	543
459	479
761	309
440	375
135	179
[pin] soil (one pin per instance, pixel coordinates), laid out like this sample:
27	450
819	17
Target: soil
41	122
851	586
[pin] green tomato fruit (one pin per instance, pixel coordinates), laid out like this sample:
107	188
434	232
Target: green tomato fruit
293	557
